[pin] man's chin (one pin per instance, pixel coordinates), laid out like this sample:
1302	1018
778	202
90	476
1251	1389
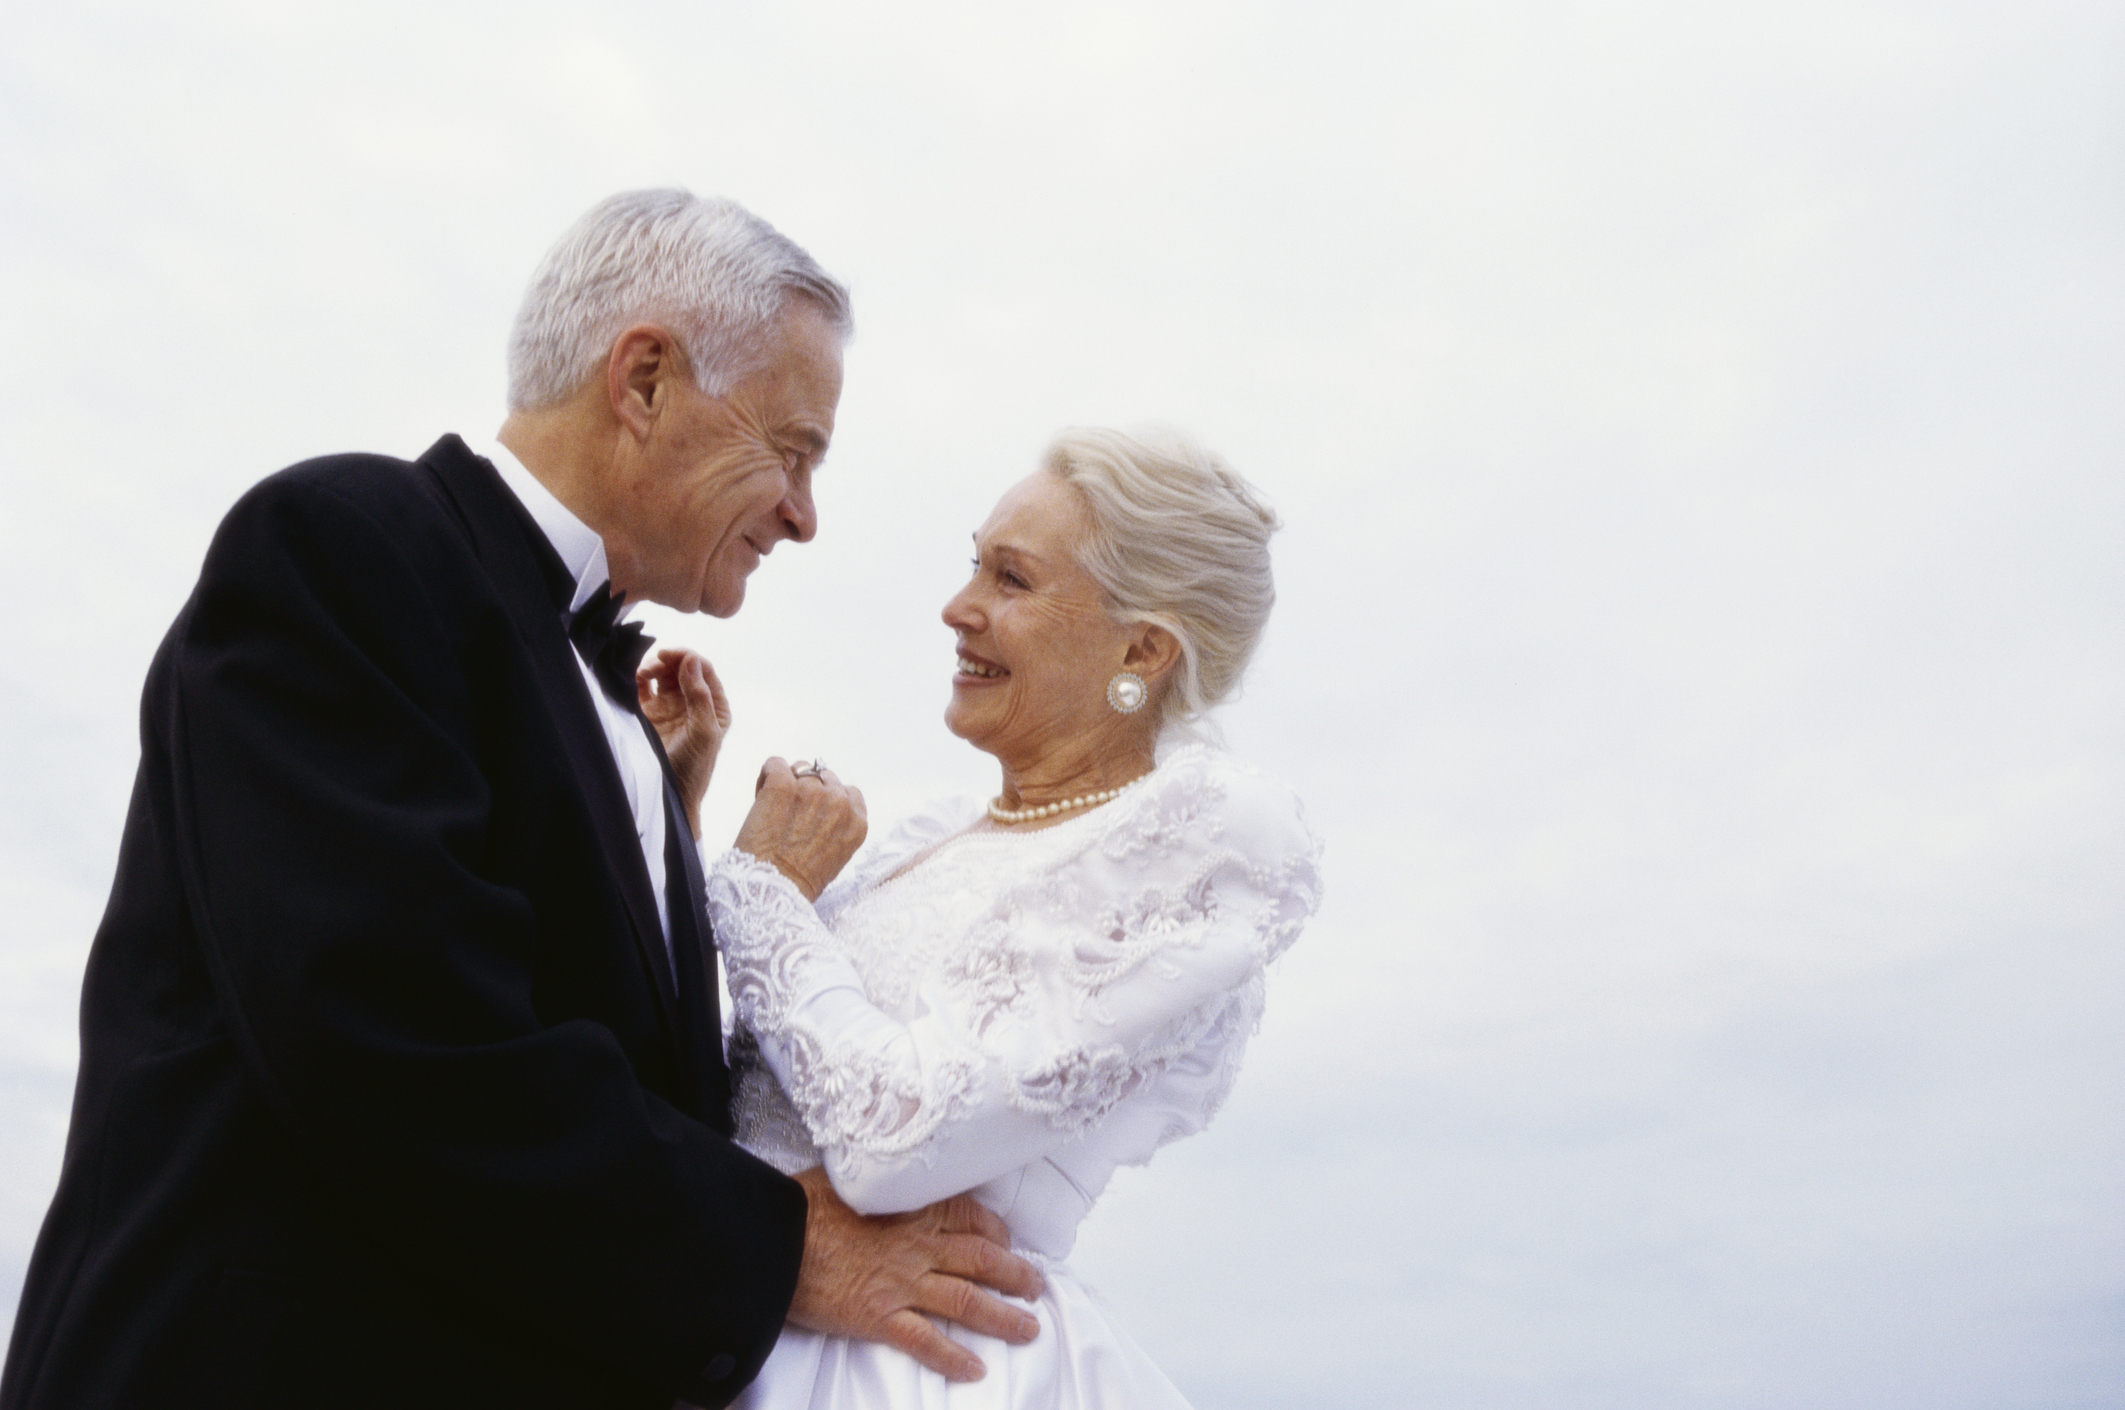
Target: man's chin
723	599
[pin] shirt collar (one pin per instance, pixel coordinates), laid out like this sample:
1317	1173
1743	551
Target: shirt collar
582	551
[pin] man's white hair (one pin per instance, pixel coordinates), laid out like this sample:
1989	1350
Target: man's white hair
712	272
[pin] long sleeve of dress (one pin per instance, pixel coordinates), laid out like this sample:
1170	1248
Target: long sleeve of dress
1074	986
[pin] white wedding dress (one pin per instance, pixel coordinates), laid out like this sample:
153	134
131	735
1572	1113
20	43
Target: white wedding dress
1015	1015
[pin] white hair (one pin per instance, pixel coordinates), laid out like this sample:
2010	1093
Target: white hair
1180	540
712	272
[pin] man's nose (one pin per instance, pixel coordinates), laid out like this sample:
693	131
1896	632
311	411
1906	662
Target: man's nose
799	515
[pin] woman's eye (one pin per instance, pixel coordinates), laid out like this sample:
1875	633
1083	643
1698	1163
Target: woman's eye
1008	577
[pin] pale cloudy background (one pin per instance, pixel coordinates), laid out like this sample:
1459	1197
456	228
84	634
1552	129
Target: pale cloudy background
1699	427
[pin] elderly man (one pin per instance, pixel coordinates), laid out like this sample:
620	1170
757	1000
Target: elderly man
401	1076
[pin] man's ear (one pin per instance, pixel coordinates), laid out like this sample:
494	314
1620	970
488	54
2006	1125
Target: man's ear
638	374
1152	651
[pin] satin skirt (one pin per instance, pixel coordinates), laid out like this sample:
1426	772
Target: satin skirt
1080	1361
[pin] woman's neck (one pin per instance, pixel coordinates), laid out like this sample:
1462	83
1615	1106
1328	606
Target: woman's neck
1057	777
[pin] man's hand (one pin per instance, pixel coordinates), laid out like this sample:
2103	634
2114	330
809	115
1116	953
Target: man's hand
682	698
875	1278
805	826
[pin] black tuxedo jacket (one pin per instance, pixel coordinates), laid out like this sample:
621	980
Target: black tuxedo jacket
386	1099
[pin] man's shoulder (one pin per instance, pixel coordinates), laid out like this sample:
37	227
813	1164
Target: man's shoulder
352	471
355	481
406	500
351	517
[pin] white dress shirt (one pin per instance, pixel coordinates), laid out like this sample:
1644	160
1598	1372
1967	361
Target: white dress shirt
583	552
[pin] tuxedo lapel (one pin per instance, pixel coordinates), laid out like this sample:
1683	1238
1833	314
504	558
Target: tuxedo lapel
693	949
536	589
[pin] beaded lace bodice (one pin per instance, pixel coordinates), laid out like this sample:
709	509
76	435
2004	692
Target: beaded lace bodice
1014	1014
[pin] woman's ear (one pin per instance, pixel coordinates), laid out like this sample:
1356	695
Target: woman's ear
1152	651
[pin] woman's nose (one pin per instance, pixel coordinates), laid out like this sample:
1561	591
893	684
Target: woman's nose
960	613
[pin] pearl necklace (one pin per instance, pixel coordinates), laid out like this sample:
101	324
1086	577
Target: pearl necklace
1018	815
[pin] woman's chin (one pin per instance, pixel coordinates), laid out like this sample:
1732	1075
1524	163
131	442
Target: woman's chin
965	722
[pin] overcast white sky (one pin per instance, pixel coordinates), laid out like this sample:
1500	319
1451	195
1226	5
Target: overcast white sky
1700	431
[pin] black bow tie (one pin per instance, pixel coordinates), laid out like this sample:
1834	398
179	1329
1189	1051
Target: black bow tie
612	647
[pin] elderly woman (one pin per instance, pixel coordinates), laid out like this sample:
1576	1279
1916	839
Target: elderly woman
1012	998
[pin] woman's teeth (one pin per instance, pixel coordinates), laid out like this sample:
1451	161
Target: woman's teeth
975	668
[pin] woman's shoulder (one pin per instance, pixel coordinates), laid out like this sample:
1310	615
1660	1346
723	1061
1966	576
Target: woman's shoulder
1204	808
1205	764
1207	846
1200	787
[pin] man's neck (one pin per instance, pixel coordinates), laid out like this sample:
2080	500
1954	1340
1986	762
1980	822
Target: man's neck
561	451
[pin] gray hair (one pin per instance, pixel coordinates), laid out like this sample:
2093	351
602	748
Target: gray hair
1178	539
712	272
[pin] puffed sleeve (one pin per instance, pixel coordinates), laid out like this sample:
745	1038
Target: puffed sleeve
1074	990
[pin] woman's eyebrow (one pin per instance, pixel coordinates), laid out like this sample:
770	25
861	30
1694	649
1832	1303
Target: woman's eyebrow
1007	548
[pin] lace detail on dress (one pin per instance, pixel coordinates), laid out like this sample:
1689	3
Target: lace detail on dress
871	1103
910	837
851	1097
1076	1088
1125	937
992	975
1002	997
1292	892
770	937
765	1122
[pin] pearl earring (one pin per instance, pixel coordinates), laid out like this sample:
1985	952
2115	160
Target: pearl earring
1126	692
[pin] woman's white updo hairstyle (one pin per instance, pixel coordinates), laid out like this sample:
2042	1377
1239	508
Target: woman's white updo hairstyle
709	270
1180	540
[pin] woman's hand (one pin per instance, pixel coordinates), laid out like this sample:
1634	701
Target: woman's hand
806	826
682	698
